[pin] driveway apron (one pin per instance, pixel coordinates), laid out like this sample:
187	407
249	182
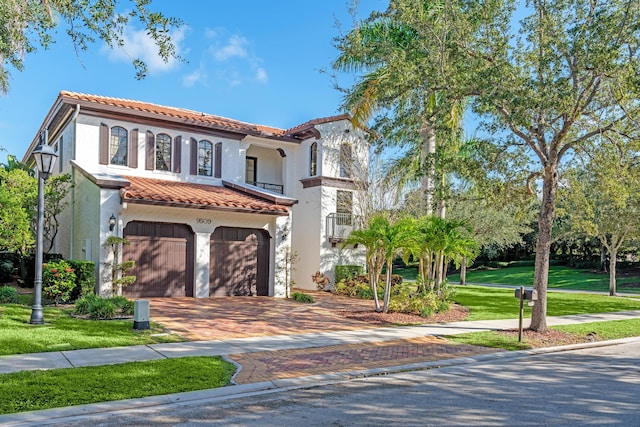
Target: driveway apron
201	319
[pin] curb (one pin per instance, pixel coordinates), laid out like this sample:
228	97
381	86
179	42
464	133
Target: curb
58	415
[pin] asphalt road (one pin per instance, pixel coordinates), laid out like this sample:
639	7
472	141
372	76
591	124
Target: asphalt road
597	386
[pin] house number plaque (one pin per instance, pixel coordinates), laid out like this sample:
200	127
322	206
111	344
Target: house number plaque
203	220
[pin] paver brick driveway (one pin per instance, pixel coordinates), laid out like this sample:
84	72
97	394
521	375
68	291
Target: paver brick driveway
236	317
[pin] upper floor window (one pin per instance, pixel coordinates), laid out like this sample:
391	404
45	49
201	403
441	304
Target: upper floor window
163	152
118	146
251	171
313	159
344	207
345	161
205	157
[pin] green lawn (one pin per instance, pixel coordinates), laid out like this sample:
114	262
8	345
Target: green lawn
497	303
63	332
35	390
611	330
560	277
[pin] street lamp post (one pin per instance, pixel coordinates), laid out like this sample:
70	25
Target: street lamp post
45	157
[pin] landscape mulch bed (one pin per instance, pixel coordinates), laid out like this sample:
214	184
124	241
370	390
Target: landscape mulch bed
363	310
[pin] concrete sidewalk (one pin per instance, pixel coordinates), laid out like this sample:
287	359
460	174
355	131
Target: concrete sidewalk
106	356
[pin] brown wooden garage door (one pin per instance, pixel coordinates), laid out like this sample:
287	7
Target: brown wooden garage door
164	259
239	262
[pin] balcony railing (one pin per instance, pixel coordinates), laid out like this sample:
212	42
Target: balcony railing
340	225
276	188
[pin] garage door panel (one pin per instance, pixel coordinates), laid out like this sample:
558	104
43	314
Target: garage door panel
164	266
239	262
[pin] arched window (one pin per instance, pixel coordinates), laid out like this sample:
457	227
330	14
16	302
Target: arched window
313	159
118	146
205	157
163	152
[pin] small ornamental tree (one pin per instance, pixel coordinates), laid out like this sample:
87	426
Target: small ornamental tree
119	279
58	280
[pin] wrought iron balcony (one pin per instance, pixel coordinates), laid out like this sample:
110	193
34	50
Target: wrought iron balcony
340	225
276	188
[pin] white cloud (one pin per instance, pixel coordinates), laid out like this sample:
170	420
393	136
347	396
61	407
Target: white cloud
197	76
261	75
235	47
138	44
210	33
229	60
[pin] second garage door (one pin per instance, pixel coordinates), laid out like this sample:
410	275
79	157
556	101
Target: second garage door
239	262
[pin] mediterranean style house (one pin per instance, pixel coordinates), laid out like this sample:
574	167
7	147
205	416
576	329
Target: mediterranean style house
211	206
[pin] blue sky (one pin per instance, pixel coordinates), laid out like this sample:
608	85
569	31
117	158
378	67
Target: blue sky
252	60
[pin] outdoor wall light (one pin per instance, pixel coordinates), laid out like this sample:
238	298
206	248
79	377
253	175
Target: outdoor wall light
112	222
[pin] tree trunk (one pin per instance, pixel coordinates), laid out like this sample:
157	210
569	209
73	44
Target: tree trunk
428	135
603	258
374	286
463	271
613	254
422	285
543	246
387	287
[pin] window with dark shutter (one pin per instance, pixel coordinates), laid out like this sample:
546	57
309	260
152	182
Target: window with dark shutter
103	150
218	160
133	149
177	154
150	150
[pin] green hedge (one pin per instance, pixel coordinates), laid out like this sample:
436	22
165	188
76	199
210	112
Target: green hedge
9	295
85	278
345	272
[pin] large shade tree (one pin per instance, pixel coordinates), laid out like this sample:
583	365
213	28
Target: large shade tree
26	25
604	197
565	73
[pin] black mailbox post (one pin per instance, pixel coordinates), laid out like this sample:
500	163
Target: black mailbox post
523	295
527	294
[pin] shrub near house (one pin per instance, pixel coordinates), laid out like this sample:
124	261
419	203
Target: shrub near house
58	280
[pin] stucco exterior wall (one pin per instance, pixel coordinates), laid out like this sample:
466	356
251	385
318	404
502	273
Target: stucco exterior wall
306	236
316	203
84	217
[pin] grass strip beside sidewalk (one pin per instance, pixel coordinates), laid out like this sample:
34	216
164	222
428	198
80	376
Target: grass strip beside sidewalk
583	332
64	332
486	303
35	390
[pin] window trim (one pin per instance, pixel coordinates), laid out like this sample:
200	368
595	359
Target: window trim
211	159
346	155
313	159
255	169
167	161
121	145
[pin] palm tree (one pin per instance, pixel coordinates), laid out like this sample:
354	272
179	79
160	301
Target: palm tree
394	240
371	238
397	86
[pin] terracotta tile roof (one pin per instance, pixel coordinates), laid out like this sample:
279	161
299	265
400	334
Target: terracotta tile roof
197	117
199	196
173	112
312	123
